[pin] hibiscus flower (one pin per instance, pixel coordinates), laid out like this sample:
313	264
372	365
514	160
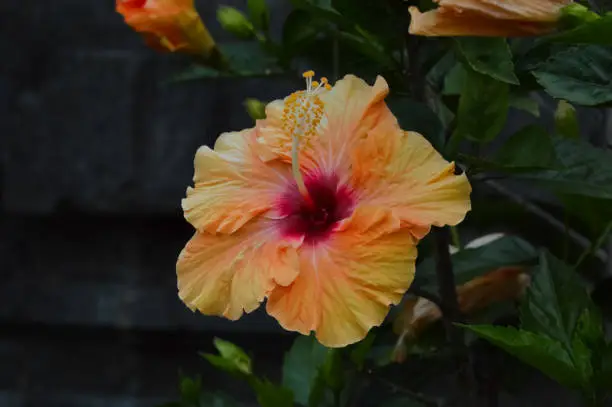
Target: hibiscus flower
318	209
491	18
168	25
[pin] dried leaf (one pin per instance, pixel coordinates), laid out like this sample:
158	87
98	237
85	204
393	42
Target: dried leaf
503	284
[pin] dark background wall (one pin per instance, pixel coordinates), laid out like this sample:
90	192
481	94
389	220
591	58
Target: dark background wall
95	156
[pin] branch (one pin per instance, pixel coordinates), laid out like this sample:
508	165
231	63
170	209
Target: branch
447	286
554	222
595	245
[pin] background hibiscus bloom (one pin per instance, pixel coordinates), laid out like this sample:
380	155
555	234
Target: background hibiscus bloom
488	18
168	25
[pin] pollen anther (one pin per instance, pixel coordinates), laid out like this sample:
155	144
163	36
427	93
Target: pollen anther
301	118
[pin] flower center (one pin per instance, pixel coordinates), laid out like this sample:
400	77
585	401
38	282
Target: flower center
134	3
301	117
315	218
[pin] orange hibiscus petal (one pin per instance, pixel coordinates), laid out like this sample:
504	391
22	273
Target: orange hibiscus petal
346	285
171	25
232	184
227	275
401	172
518	10
351	108
445	23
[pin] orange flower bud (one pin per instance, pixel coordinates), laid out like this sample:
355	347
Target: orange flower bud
168	25
488	18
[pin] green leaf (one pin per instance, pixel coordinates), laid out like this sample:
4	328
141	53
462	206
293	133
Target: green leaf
235	22
244	58
489	56
248	59
566	121
300	28
596	213
589	343
301	367
554	300
483	107
582	360
579	75
360	350
190	391
332	370
597	31
231	358
471	263
437	105
414	116
271	395
222	364
259	13
234	354
368	46
454	80
530	147
575	15
439	70
537	350
590	328
255	108
321	8
583	170
522	101
375	16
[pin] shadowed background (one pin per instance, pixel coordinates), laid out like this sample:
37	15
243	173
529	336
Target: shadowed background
96	153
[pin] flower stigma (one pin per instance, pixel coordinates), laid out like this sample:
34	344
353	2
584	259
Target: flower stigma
301	117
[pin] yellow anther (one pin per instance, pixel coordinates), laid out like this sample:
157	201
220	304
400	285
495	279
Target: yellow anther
302	114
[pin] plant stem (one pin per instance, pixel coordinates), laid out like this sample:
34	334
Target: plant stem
456	238
451	313
447	287
554	222
595	245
